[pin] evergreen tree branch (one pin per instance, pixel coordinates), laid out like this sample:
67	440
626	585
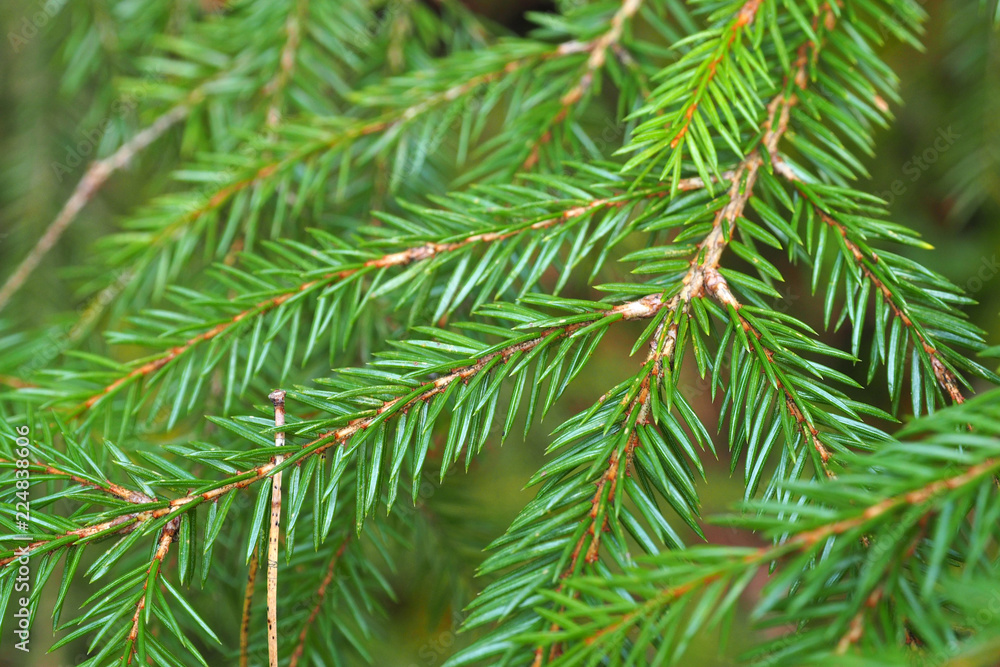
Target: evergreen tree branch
708	70
389	105
701	278
597	518
946	378
598	49
413	254
638	309
718	287
501	63
643	600
744	177
107	486
155	567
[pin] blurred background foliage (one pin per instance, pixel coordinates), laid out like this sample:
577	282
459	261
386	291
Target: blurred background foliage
938	165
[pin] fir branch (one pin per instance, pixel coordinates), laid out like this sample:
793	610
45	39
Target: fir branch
346	132
155	567
946	378
422	252
861	560
695	571
639	309
718	287
598	49
744	17
107	486
604	497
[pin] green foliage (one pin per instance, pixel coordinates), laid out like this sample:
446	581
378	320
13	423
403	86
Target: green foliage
406	218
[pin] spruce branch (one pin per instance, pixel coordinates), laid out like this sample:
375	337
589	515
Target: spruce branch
134	642
638	309
345	132
598	49
425	251
718	287
744	177
651	589
107	486
597	519
416	167
945	377
865	261
709	69
169	225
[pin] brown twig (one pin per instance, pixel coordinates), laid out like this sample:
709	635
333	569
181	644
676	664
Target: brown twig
320	594
247	608
278	399
15	382
856	628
